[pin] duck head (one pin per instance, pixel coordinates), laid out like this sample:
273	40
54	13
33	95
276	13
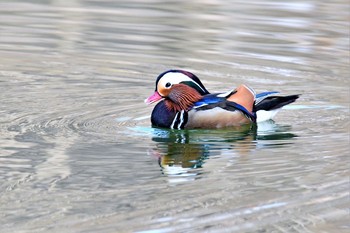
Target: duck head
179	88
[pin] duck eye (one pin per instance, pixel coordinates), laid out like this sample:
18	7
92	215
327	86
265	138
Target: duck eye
167	84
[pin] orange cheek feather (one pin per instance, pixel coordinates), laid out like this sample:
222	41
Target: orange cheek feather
182	97
164	92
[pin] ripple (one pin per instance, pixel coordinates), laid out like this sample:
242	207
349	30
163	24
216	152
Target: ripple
77	149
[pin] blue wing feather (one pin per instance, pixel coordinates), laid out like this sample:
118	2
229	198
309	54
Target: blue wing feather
263	94
208	99
215	98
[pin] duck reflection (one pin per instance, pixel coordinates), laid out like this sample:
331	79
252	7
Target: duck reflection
182	153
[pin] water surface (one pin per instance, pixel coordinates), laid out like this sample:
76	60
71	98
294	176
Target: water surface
78	154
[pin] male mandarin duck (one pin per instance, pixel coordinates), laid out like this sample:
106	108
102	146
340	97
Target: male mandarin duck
186	103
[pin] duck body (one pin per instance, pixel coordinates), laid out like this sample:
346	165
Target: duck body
186	103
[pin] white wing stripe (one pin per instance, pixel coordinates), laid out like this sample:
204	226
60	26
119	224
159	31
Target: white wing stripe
174	121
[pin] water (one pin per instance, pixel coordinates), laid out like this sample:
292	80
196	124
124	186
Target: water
77	153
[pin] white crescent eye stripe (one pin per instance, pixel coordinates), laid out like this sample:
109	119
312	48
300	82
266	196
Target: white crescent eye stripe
175	78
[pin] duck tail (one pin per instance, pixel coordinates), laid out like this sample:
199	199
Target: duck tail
274	102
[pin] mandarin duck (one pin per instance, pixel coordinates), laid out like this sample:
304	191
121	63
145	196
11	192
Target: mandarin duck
187	104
